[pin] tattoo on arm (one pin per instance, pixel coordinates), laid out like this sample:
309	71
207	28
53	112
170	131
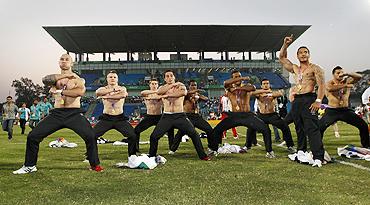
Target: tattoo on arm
49	80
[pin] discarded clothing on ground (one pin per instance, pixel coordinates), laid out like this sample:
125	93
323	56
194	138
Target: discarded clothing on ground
142	162
353	152
61	142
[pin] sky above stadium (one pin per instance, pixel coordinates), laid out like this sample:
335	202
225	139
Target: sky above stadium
338	35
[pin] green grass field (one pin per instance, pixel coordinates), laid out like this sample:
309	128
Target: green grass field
228	179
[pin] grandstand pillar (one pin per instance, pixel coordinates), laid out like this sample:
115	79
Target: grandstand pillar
222	55
202	55
178	55
155	56
249	55
76	59
87	57
128	56
273	55
104	56
109	57
226	55
243	56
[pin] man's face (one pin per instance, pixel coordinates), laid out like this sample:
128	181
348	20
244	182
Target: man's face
65	62
338	74
35	102
169	77
23	105
193	86
112	79
303	55
237	75
8	100
153	85
265	85
45	100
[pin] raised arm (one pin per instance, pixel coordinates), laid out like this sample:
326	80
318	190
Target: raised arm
228	83
52	79
77	91
283	56
332	87
145	93
164	88
179	92
353	77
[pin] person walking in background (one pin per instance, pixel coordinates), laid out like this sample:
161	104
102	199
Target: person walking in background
10	110
24	114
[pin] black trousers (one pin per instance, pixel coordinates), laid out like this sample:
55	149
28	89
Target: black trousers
199	123
275	120
119	123
22	124
182	123
299	131
33	123
303	118
60	118
347	115
148	121
247	119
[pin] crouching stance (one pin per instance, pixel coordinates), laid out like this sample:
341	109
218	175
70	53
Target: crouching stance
67	89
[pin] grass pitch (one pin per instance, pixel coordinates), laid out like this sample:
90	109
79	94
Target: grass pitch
248	178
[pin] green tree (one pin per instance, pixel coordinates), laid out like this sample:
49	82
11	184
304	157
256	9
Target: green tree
26	91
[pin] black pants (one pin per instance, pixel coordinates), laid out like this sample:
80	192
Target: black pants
275	120
199	123
347	115
22	124
181	122
247	119
148	121
33	123
299	131
119	123
303	117
60	118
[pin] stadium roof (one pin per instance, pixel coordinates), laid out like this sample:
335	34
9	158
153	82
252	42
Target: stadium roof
173	38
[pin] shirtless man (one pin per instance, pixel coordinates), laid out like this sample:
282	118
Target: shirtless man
241	115
306	103
113	97
266	112
192	112
173	116
337	92
154	105
67	89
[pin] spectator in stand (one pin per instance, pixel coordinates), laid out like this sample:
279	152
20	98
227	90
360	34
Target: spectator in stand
9	112
24	114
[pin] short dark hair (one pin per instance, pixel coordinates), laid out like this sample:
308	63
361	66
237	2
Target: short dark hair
112	71
9	97
336	68
169	70
153	79
192	81
265	79
235	71
303	47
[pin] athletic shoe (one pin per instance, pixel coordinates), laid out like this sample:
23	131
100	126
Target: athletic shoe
291	150
25	170
171	152
282	144
317	163
243	149
257	145
212	153
327	157
270	155
206	158
97	168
